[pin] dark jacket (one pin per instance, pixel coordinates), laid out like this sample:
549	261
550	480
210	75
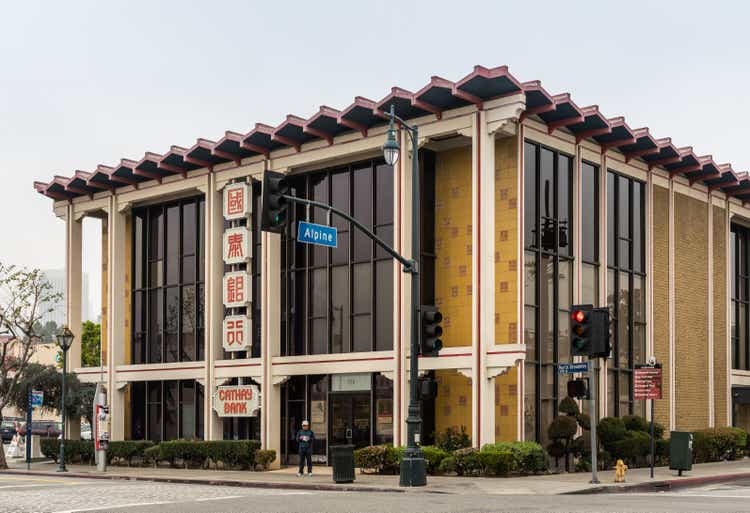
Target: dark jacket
305	438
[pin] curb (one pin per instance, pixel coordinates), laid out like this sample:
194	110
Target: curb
665	485
213	482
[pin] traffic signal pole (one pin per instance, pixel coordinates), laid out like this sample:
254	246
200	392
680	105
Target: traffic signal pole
594	448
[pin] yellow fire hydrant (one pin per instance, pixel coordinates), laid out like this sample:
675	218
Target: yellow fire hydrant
620	470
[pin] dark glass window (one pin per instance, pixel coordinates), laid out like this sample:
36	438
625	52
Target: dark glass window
166	410
548	282
341	299
626	289
589	234
740	284
167	287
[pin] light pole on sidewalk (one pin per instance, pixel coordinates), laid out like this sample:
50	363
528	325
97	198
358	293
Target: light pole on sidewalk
413	471
64	340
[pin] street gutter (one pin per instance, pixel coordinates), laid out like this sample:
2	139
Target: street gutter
666	485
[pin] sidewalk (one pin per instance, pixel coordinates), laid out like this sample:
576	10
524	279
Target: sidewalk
637	480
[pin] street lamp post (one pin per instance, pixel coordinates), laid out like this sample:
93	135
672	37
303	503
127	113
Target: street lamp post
413	471
64	340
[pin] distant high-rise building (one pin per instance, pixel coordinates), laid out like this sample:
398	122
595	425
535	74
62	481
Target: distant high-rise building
56	278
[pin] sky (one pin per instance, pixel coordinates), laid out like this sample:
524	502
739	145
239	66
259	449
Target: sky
84	83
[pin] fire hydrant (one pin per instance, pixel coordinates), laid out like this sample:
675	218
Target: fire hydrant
620	470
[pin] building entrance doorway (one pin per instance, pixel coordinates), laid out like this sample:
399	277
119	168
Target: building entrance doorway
350	419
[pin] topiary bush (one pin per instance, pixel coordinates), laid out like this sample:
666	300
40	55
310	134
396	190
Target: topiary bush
634	446
609	431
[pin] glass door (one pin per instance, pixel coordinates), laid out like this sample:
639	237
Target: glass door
350	419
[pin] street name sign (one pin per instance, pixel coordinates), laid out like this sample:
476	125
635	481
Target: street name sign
320	234
37	399
572	368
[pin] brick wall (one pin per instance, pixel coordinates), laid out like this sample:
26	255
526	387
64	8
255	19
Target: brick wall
661	295
691	303
720	295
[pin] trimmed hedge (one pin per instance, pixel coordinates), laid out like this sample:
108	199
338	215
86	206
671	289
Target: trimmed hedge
717	444
381	459
529	456
231	453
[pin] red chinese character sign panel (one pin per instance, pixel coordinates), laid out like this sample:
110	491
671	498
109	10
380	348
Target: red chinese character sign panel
236	333
237	247
236	290
646	382
236	201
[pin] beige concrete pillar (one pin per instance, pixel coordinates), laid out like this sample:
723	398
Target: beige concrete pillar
271	340
73	284
117	273
483	180
214	309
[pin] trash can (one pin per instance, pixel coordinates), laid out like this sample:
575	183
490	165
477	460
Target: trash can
342	457
680	451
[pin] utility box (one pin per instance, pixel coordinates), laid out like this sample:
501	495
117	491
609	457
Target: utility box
342	458
680	451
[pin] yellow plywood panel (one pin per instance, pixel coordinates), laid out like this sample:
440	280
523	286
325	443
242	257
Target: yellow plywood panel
506	241
453	244
453	402
506	406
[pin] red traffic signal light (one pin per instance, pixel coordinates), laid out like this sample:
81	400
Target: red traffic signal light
579	316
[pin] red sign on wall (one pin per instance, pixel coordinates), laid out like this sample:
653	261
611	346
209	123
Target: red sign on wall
647	382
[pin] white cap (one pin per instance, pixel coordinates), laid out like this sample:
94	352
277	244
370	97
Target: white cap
305	423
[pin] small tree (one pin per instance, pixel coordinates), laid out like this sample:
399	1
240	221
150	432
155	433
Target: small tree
25	297
563	429
91	343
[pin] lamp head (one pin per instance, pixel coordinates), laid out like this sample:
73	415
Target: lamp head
65	338
391	147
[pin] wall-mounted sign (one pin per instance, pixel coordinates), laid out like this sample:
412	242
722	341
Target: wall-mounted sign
236	201
237	401
351	382
236	289
647	382
236	333
237	247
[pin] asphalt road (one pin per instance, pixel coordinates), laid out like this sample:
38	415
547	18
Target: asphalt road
70	495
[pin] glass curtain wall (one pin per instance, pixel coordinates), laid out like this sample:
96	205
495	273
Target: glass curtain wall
340	299
168	270
548	282
166	410
626	294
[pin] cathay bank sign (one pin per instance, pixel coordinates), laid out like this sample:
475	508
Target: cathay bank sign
237	401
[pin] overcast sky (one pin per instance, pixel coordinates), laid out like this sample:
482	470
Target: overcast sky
83	83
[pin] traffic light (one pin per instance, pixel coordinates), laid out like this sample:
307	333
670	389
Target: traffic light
430	343
578	388
580	330
589	331
274	207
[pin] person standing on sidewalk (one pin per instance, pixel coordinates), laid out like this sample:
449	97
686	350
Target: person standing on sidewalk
305	439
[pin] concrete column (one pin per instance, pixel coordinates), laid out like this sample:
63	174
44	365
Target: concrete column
117	273
484	275
74	280
214	426
271	340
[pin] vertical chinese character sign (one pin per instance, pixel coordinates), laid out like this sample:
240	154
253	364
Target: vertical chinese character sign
237	251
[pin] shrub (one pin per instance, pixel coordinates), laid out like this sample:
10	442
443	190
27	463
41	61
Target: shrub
468	462
496	462
448	465
569	406
383	459
151	455
232	453
634	446
610	430
126	450
716	444
434	456
529	456
636	423
452	439
264	458
76	451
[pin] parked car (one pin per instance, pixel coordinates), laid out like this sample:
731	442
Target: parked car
8	428
47	428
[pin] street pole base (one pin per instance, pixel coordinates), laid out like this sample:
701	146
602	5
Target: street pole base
413	471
